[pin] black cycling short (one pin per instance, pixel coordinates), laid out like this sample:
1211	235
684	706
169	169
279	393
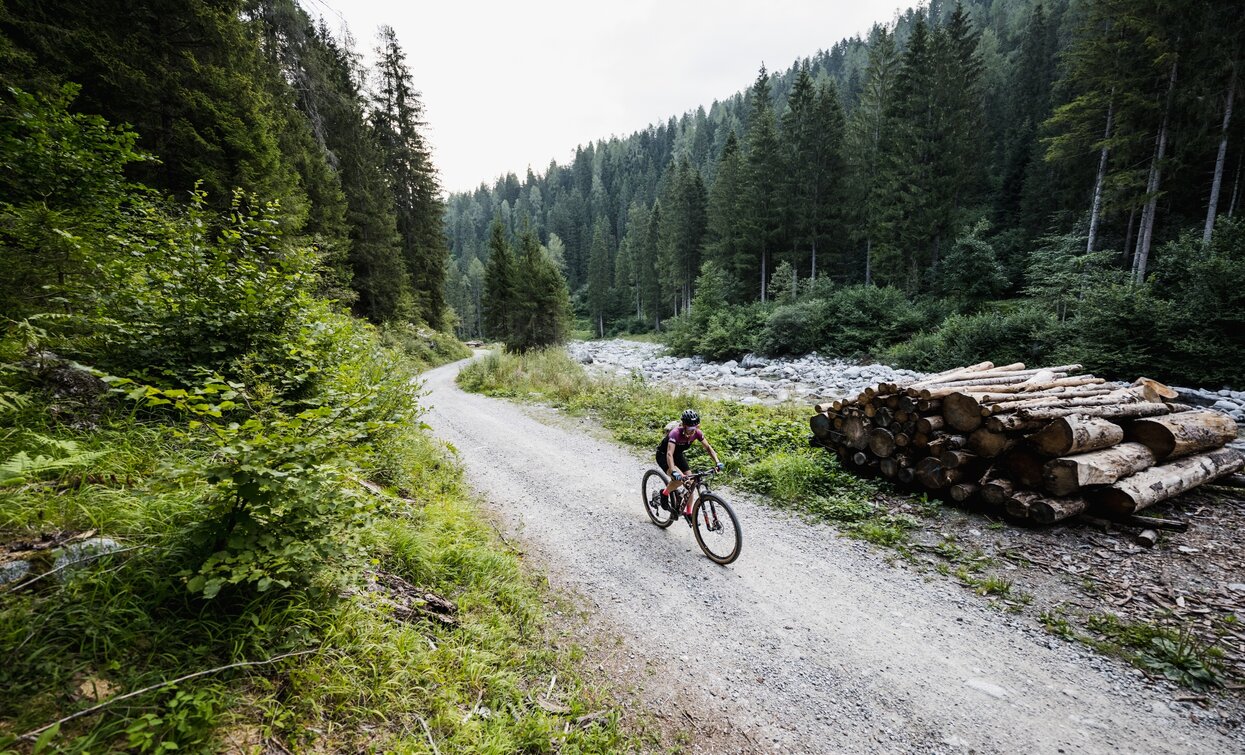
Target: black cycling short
680	460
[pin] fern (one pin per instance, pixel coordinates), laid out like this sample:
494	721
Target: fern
22	467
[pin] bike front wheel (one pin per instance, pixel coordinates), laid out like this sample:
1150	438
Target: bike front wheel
650	490
717	529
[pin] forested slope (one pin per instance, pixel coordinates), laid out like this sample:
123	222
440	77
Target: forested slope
1047	180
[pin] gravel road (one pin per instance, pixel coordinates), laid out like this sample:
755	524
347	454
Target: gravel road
809	643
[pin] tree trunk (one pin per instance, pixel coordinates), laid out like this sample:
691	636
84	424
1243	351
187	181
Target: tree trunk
1160	483
1146	233
1021	503
1217	181
1076	435
1096	207
1182	434
1236	186
1069	474
812	272
821	425
961	411
1036	419
1024	466
953	459
929	472
963	491
1128	236
856	432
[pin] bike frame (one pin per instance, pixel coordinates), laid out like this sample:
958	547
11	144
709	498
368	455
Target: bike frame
693	482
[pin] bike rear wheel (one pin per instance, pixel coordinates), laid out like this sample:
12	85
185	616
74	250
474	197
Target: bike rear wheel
653	483
717	529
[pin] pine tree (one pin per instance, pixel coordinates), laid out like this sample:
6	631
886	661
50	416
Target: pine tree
397	119
724	239
500	287
541	309
762	208
863	144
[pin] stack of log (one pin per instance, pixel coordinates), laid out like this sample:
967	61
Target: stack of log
1038	444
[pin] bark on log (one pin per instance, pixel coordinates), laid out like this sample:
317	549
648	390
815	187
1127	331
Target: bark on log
881	442
889	467
1051	510
860	458
1112	398
1076	434
1182	434
997	491
1159	483
989	444
906	474
1153	390
1069	474
1032	419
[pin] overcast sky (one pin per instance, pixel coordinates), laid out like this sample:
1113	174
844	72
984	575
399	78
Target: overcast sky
507	85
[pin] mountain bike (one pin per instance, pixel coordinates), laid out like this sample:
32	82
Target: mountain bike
713	521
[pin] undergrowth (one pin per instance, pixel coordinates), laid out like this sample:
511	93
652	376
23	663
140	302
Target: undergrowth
765	447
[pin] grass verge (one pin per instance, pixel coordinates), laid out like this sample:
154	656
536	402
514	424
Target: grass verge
371	681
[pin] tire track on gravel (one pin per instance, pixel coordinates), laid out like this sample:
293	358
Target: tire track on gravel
809	642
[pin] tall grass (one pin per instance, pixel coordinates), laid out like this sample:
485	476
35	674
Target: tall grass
372	683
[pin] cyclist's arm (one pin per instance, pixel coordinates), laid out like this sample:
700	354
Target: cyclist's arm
670	467
709	449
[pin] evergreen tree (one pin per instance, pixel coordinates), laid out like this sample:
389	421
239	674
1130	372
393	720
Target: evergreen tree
397	118
863	143
724	240
541	307
762	204
500	287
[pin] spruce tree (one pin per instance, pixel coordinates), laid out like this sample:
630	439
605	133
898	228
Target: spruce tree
599	277
500	287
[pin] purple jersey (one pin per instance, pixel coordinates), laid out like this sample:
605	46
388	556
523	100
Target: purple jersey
682	437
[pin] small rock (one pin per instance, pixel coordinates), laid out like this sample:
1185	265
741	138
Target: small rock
12	571
1236	586
1186	549
981	685
83	552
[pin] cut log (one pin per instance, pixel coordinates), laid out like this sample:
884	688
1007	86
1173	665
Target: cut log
1111	398
881	442
930	424
929	472
907	474
1177	435
821	425
883	417
1147	538
952	459
1024	466
997	491
1159	483
1137	520
1051	510
961	411
1069	474
964	491
1076	434
860	458
989	444
889	467
1035	419
856	431
1021	503
825	408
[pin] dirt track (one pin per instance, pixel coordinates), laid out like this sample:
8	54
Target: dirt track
808	643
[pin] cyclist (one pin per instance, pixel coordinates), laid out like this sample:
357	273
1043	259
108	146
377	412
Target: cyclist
680	436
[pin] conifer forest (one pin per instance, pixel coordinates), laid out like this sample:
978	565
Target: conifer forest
1038	181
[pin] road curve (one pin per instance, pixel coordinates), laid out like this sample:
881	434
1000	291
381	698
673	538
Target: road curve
809	643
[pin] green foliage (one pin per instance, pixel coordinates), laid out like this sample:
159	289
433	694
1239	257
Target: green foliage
1024	334
424	346
1177	655
970	274
62	455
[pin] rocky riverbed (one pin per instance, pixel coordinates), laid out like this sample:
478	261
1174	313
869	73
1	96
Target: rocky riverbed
807	379
751	380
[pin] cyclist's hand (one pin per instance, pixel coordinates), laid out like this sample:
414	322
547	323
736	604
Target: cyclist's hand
678	475
721	466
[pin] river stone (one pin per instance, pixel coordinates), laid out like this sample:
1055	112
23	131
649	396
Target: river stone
80	554
12	571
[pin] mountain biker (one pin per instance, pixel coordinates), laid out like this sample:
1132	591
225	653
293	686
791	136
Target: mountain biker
680	436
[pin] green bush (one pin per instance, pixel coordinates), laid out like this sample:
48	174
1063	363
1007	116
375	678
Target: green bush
1023	335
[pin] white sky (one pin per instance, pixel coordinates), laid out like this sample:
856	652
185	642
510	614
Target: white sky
507	85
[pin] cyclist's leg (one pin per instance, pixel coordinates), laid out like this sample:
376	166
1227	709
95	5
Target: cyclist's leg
680	462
